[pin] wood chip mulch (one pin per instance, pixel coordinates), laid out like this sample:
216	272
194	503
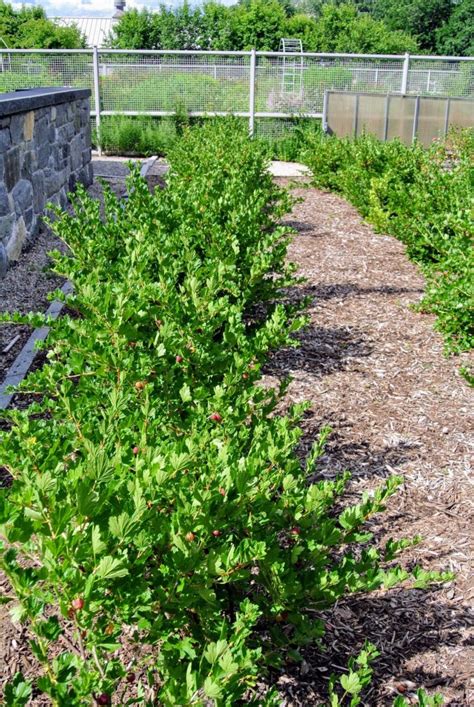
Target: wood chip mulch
374	370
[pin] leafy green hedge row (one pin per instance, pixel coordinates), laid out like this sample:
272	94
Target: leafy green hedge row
159	514
424	198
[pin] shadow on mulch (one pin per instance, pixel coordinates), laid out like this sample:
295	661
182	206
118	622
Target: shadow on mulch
361	460
325	350
321	351
358	457
324	292
300	226
402	624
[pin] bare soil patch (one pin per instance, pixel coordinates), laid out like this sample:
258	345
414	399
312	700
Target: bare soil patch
24	289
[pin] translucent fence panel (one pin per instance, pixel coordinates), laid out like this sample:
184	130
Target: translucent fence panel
401	118
394	116
372	115
432	116
461	113
341	112
36	69
441	77
164	83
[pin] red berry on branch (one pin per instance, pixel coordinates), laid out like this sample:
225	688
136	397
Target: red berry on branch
77	603
216	533
190	537
103	699
139	385
215	417
295	530
131	678
179	359
136	450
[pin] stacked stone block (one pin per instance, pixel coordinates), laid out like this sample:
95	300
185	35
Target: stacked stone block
45	150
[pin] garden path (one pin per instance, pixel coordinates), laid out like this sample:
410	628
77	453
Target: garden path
374	370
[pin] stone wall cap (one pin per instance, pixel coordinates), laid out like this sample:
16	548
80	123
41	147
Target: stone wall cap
24	100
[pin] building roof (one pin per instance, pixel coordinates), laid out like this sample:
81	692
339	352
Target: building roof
95	29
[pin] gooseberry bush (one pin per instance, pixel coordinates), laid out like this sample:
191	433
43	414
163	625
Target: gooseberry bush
160	537
421	196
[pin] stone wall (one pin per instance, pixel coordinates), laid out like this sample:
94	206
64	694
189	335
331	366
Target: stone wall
45	149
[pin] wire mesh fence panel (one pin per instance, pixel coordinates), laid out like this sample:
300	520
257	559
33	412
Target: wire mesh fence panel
34	70
441	77
297	84
286	84
174	82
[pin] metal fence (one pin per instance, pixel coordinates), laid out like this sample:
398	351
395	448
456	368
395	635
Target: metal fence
251	84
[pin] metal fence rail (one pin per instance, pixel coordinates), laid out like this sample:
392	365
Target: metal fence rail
250	84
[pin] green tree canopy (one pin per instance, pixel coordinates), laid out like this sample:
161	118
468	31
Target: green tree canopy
341	28
29	28
420	18
456	36
260	24
135	30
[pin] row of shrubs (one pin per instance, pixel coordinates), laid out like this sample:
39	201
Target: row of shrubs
421	196
161	538
424	198
145	136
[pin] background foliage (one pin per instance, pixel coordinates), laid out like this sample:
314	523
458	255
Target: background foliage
381	26
29	28
260	24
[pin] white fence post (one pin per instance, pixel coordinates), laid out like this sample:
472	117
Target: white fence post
96	76
406	67
253	67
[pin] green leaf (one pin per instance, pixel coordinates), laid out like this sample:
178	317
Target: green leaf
110	568
351	683
97	544
212	689
185	393
17	692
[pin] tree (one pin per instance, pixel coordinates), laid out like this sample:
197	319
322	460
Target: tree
217	27
303	27
135	30
456	36
420	18
29	28
341	28
259	24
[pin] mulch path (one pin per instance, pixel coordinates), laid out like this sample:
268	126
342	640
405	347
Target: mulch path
374	370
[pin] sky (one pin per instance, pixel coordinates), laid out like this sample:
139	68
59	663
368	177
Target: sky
92	8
